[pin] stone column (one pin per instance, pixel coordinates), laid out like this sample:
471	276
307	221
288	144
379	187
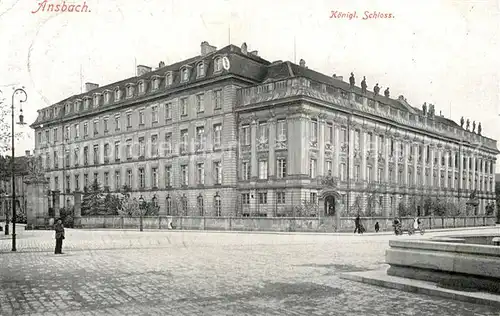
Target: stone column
446	168
321	146
77	211
432	165
461	169
336	153
56	196
474	173
405	162
467	185
363	151
375	155
439	155
350	172
254	168
396	162
386	157
415	164
272	146
424	164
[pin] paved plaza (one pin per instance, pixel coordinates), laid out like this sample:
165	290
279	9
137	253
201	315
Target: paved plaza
204	273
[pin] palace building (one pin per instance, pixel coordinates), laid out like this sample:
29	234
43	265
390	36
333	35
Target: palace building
227	133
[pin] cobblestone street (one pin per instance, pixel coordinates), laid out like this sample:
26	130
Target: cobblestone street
203	273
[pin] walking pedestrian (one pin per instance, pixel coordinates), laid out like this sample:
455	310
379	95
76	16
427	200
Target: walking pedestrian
377	227
357	223
59	228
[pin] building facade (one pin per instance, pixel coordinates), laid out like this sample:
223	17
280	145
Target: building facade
229	133
21	172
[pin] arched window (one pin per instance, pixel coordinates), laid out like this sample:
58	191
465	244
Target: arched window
200	72
184	205
199	203
217	205
218	64
185	75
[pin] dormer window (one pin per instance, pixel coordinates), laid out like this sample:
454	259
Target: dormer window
67	107
156	82
118	94
86	103
185	74
130	90
97	99
76	105
107	97
168	79
142	86
200	70
218	64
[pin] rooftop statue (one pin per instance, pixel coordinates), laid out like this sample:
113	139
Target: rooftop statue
424	108
467	124
479	129
473	126
352	81
462	122
363	85
431	110
386	92
376	89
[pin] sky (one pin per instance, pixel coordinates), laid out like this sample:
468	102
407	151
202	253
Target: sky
440	52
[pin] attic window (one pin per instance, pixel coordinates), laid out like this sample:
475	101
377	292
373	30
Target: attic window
130	91
86	104
67	108
185	74
117	94
200	70
106	97
141	87
76	105
218	64
156	83
168	79
97	99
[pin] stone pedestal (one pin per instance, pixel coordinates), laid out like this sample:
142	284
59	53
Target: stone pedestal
77	213
37	211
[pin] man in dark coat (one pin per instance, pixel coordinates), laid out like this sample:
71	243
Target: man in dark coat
59	228
357	223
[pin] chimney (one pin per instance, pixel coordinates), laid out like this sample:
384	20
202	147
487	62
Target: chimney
255	52
161	64
302	63
244	48
89	86
141	70
27	153
207	48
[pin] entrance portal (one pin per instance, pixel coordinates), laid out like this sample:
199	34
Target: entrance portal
330	205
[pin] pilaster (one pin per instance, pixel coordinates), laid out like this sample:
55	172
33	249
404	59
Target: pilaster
272	146
254	168
321	147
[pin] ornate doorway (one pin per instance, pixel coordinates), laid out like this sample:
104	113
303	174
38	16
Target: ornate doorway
329	205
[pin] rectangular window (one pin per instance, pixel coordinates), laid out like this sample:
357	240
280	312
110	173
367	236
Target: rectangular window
312	168
77	183
86	181
281	168
129	149
141	117
200	175
262	197
328	167
117	151
47	136
86	155
369	175
184	175
245	170
313	197
96	154
183	105
168	111
343	172
218	172
106	179
281	130
245	198
263	169
329	134
117	180
96	127
129	178
168	176
357	139
105	123
357	173
200	138
76	154
55	134
129	120
263	132
106	153
217	99
154	114
154	145
381	143
245	135
184	141
154	177
142	147
280	197
217	136
68	132
168	144
200	105
117	122
66	158
343	135
313	132
56	183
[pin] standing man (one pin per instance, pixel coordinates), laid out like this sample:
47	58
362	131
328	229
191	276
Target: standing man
357	223
59	228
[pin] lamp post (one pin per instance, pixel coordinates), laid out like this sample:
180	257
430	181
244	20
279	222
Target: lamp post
141	210
21	122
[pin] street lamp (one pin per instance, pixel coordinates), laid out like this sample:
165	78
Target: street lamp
21	122
141	210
